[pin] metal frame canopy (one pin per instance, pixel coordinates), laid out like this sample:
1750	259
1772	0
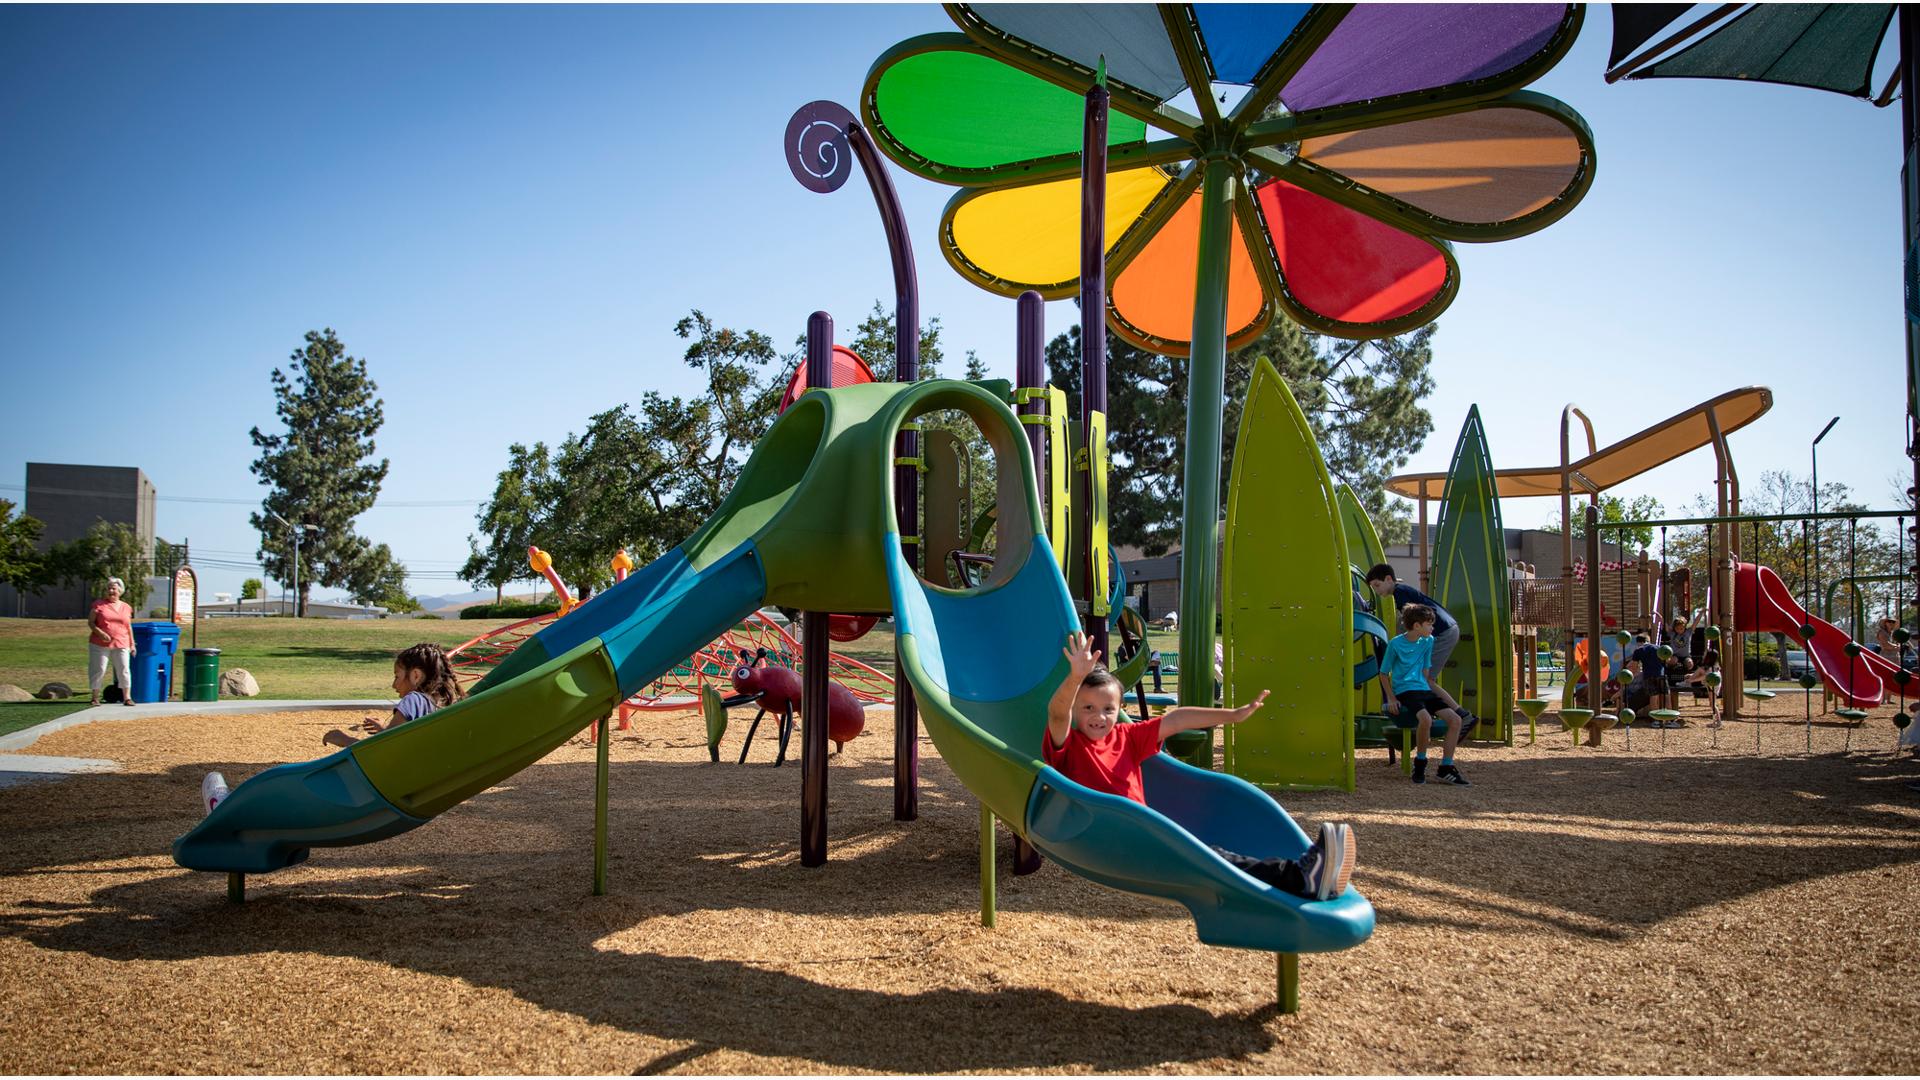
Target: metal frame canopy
1619	462
1363	140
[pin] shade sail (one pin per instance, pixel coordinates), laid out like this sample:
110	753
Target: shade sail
1823	46
1610	466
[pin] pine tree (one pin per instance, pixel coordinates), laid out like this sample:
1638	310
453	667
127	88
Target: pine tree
320	472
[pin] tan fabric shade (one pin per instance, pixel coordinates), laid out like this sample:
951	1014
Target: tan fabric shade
1616	464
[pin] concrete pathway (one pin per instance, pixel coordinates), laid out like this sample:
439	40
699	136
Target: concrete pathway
23	768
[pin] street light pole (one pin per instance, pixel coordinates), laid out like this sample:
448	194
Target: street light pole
296	529
1816	502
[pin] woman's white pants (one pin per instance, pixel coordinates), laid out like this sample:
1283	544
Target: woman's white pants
97	656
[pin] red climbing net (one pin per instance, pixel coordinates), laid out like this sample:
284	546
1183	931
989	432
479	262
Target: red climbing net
680	688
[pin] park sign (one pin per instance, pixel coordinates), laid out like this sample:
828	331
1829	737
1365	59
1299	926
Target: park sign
186	602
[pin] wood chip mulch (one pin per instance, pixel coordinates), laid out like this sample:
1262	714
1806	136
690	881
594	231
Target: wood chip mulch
1683	909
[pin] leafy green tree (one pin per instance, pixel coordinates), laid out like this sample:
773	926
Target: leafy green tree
606	491
320	471
252	589
510	521
1613	508
877	336
374	576
22	564
1361	398
108	550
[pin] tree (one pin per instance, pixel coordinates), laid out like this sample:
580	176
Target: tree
1362	400
321	471
252	588
22	565
510	521
108	550
374	576
1613	508
877	338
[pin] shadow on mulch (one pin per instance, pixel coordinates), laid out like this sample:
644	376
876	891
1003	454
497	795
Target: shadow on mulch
516	918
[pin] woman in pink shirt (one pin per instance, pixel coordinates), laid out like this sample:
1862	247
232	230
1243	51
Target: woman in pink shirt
110	637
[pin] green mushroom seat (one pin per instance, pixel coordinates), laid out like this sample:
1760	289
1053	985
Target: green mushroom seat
1605	720
1531	708
1851	714
1665	716
1758	695
1575	719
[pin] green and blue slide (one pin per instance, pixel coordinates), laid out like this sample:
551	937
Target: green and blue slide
810	526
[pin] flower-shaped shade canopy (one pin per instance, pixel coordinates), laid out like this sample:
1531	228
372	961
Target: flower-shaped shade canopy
1365	138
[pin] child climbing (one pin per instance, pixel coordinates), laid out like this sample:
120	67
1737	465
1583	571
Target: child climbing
423	678
1087	744
1411	699
1446	632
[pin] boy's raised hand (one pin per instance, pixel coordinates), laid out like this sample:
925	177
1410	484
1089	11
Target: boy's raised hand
1080	655
1234	716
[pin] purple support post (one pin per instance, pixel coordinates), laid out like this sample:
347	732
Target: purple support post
1031	371
814	645
906	478
1093	327
1909	37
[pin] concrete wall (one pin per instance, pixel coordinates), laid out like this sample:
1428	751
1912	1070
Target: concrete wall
68	499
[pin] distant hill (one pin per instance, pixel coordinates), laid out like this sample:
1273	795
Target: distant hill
459	600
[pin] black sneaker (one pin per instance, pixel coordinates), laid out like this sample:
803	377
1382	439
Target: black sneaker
1419	770
1449	774
1327	866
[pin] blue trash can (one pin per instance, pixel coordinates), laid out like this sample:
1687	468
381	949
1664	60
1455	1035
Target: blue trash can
154	644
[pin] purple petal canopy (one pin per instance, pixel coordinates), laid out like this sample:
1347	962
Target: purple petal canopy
1380	50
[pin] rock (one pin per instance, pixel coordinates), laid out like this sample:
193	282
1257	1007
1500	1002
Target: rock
10	692
238	682
54	691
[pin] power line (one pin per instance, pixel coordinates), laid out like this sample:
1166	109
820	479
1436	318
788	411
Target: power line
396	504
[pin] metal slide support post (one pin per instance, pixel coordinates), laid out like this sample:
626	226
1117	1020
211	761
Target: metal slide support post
906	478
1732	649
1093	335
600	807
814	647
1206	393
1031	371
1287	975
986	867
236	888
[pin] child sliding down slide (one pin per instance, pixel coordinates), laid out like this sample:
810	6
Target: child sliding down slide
1087	744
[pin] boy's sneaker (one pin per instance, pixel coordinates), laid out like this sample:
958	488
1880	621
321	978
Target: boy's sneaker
1328	864
1419	770
1450	774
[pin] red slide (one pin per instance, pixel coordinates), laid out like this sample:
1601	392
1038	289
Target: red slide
1762	604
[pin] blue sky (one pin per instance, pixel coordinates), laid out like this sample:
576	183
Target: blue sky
504	210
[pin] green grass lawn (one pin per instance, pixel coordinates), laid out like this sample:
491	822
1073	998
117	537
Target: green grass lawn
304	658
298	659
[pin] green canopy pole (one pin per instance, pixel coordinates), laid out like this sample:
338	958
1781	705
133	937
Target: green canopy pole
1200	477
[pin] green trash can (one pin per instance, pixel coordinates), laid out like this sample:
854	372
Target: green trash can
203	675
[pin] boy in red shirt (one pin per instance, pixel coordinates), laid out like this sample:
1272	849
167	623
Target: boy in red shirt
1087	744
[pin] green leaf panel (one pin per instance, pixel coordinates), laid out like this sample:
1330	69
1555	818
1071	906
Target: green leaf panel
1469	578
1286	600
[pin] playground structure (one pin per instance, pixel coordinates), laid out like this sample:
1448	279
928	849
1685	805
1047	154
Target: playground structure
836	478
1609	600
